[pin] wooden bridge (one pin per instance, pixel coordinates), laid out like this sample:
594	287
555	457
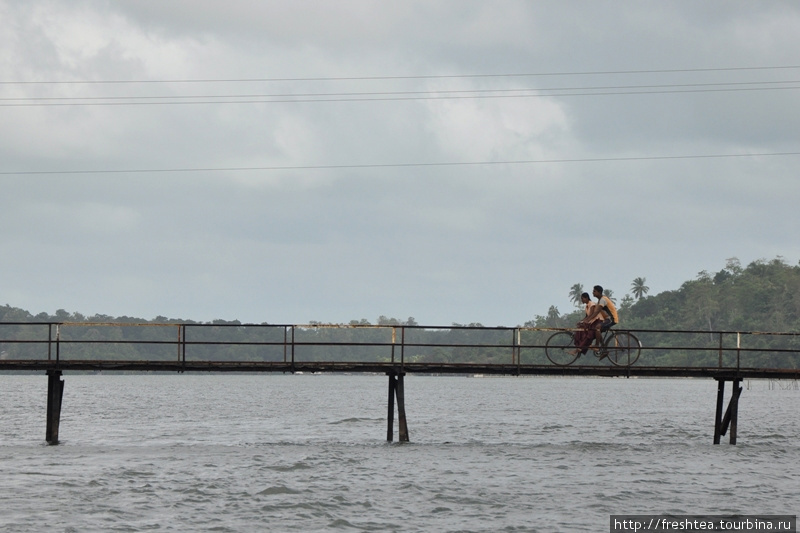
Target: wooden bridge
393	349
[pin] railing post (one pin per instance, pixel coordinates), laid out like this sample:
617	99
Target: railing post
394	340
180	342
402	348
738	350
293	348
182	347
513	346
285	341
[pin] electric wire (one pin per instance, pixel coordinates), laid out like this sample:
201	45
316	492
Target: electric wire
395	95
408	77
395	165
403	95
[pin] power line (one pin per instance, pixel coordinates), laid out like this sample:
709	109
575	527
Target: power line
396	95
393	165
382	99
413	77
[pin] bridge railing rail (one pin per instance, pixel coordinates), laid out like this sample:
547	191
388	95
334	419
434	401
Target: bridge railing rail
398	344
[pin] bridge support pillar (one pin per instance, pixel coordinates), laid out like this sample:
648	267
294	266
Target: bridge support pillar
731	418
396	390
55	391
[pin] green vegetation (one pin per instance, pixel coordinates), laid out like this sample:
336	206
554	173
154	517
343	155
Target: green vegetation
709	310
762	297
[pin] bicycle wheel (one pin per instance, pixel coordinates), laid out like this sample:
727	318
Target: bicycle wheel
558	348
623	348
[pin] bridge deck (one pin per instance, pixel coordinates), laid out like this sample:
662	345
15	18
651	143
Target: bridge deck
407	368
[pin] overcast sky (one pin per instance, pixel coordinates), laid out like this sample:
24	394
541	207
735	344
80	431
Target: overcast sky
452	161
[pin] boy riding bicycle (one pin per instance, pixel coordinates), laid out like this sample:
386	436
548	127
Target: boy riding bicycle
606	310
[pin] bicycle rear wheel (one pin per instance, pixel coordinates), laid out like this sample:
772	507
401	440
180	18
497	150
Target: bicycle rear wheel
558	348
623	348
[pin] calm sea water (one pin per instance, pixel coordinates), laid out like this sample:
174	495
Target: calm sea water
242	453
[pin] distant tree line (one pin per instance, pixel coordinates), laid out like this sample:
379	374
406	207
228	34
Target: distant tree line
764	296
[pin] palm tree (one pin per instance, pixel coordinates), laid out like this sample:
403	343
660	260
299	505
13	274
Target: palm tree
575	294
553	317
639	288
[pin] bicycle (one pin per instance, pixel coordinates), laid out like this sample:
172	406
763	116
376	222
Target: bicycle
621	347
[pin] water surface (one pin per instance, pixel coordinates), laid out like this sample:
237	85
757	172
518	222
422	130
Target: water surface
233	453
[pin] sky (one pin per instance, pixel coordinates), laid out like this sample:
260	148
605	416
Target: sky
454	161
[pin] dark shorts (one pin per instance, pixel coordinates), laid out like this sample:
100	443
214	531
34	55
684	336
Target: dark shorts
607	324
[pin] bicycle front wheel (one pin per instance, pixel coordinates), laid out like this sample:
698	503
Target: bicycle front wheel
623	348
559	347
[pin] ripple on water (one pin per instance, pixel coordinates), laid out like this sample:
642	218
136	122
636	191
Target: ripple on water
486	455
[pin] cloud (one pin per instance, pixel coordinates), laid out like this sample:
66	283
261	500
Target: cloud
376	228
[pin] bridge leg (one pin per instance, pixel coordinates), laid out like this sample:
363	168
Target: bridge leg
734	407
390	429
401	409
55	391
731	418
718	415
732	413
396	390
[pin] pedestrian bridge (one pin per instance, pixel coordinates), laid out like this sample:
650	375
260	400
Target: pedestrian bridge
392	349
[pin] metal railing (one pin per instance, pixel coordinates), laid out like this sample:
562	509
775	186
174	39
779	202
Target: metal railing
395	344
